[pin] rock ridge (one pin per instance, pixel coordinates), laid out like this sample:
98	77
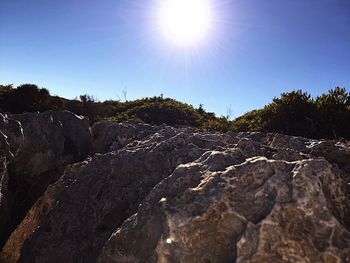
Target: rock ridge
163	194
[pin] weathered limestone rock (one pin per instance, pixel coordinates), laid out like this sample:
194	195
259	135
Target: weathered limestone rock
5	215
12	249
257	211
11	137
13	133
51	141
303	228
108	136
164	194
335	153
299	144
72	224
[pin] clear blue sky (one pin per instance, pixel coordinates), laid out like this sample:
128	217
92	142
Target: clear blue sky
256	50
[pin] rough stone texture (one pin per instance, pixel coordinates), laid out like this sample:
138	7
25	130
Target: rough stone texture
51	141
4	209
225	207
13	132
109	136
11	137
94	201
334	152
258	211
163	194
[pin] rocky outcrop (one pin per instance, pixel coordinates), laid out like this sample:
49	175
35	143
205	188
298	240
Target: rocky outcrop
220	209
110	136
51	141
11	137
88	203
163	194
4	206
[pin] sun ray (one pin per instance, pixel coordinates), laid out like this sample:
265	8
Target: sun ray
185	23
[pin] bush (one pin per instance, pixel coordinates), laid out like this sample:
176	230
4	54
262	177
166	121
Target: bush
297	113
26	98
334	113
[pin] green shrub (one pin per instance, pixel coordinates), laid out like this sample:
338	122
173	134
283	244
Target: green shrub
297	113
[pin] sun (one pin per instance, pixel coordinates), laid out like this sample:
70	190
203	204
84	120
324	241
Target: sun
185	23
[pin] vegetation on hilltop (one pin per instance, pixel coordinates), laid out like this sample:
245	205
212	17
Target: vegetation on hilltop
297	113
153	110
293	113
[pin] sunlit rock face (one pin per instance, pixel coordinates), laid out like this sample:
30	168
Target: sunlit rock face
228	206
164	194
76	216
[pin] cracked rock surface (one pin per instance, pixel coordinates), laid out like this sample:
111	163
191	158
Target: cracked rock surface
257	210
164	194
41	145
11	138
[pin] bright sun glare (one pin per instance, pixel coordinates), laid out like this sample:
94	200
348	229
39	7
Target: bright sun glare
185	23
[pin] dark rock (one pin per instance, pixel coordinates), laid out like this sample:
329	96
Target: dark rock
12	134
11	137
51	141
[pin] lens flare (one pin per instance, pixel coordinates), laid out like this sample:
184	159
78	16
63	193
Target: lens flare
185	23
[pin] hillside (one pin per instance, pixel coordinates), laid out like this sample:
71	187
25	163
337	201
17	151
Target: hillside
293	113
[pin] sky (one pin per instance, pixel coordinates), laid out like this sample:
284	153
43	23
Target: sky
254	50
